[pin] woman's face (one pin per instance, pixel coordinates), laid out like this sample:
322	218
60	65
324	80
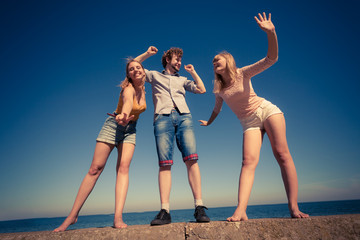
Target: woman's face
136	72
219	64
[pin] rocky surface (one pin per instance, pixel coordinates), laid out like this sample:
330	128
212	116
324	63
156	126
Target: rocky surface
325	227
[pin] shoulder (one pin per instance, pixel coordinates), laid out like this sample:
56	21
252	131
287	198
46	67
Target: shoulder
128	91
147	71
239	71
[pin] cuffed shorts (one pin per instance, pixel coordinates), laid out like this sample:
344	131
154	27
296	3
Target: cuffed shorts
256	119
174	125
113	133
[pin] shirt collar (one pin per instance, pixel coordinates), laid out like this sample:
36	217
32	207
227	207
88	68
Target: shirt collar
166	73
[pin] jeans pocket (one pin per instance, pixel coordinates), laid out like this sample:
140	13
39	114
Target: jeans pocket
156	117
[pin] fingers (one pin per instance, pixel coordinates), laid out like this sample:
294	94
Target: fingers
189	67
123	120
265	19
262	17
203	123
154	49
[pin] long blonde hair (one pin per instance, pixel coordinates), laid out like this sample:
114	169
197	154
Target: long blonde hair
127	79
230	68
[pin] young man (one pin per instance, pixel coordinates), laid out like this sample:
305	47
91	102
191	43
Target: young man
173	120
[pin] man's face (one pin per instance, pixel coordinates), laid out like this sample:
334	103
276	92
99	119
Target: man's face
175	62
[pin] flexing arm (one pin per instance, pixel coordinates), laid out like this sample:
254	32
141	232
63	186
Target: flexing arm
267	26
150	52
128	97
200	87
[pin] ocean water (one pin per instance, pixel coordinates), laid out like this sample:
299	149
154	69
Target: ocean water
184	215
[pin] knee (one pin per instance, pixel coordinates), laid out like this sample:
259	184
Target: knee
282	155
250	162
123	169
95	170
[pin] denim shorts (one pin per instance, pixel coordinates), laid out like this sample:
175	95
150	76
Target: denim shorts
256	119
113	133
174	125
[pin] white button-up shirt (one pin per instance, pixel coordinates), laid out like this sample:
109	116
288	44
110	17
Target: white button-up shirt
169	90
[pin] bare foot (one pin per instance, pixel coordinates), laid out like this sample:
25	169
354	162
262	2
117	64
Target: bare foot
237	216
298	214
120	224
68	221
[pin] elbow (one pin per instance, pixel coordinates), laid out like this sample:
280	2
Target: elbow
273	58
201	90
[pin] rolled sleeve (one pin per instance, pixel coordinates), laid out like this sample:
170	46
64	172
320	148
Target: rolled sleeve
190	86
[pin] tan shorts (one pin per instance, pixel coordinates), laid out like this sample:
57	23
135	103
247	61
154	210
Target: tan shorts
256	119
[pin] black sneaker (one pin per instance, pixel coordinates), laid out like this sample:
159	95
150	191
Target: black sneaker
162	218
200	214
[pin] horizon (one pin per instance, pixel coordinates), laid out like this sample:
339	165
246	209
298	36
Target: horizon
155	211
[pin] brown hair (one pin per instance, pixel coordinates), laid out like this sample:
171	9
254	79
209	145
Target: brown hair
169	53
230	68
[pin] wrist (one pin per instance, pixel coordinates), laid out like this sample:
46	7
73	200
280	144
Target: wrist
271	31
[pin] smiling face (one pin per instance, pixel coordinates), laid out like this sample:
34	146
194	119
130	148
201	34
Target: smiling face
174	63
136	72
219	64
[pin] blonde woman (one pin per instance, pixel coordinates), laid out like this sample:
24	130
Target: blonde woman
119	130
257	116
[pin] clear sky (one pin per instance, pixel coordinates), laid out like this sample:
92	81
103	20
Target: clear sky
61	62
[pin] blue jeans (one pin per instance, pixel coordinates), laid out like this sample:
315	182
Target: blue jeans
170	126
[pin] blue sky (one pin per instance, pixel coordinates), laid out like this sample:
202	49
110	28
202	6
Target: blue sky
61	62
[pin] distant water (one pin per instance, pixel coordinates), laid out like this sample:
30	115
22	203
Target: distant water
185	215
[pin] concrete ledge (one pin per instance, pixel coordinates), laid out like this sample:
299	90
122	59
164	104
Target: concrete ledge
324	227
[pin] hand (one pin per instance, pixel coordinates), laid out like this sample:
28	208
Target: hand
203	123
122	119
189	68
152	50
264	23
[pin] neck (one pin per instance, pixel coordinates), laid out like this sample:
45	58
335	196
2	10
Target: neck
137	88
226	78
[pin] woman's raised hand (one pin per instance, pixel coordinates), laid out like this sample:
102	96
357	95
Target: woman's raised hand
152	50
265	23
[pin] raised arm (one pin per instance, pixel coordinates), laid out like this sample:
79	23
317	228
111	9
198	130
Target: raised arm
127	97
150	52
267	26
200	87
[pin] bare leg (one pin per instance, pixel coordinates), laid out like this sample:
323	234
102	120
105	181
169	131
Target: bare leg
125	154
252	141
101	154
194	178
276	129
165	183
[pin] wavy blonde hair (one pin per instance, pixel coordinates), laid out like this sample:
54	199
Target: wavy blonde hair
127	79
230	68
